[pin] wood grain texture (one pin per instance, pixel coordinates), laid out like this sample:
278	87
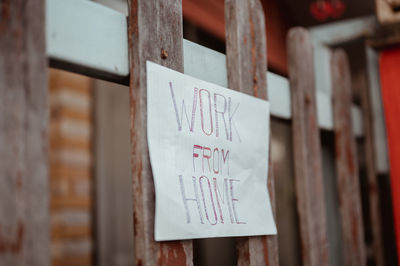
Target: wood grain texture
246	68
307	150
347	174
394	3
372	174
385	36
24	233
387	11
155	33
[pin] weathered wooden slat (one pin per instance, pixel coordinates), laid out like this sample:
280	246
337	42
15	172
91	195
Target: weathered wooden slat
346	162
246	68
387	11
155	33
379	134
307	150
372	172
24	233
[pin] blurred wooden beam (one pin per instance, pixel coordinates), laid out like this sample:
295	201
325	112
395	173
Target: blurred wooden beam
385	36
347	173
307	150
388	11
24	210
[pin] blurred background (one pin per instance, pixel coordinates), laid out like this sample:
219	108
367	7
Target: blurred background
90	177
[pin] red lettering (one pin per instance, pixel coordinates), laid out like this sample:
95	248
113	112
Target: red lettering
207	157
202	111
211	200
195	155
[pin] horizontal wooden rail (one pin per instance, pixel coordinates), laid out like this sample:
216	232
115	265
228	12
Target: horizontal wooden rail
91	39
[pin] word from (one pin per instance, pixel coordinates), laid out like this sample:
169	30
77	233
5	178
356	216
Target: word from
219	159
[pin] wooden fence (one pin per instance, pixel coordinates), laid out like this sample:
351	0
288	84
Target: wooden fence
153	32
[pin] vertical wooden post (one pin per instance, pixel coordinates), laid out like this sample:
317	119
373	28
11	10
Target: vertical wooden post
246	57
372	173
346	162
155	33
307	150
24	226
372	156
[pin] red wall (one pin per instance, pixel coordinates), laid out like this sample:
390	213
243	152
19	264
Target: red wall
390	83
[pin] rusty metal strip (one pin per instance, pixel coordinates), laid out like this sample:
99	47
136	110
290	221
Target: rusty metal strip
24	214
155	33
246	68
307	150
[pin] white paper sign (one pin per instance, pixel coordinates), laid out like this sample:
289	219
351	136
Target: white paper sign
209	155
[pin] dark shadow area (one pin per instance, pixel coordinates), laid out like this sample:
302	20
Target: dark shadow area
389	236
285	193
333	217
215	251
196	34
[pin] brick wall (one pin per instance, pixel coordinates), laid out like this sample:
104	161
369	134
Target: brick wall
70	168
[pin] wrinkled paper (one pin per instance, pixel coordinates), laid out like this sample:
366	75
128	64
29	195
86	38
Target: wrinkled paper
208	150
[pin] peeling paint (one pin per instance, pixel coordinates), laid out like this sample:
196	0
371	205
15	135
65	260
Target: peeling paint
171	253
13	245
